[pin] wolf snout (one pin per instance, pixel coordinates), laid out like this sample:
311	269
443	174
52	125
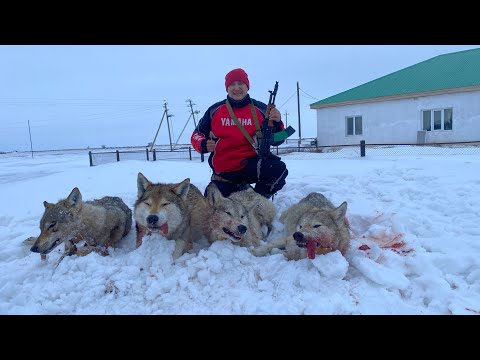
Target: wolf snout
242	229
299	239
152	219
34	248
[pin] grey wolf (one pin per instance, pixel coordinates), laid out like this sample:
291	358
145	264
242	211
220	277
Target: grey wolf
233	157
227	218
263	209
173	210
313	223
101	223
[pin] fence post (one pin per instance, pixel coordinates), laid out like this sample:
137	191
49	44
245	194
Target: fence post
202	157
362	148
118	155
154	155
90	157
147	154
190	153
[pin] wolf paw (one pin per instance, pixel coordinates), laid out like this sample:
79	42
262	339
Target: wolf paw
30	240
260	251
278	251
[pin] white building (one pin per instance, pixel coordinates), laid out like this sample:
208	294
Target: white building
435	101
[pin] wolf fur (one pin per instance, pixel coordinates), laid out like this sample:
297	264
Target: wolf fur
101	223
314	218
228	218
263	209
174	210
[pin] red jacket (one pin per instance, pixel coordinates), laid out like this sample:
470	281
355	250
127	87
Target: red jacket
232	146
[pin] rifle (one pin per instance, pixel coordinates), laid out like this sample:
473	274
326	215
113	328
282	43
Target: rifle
268	137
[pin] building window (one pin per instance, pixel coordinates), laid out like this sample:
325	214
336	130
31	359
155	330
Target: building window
354	125
438	119
447	119
427	120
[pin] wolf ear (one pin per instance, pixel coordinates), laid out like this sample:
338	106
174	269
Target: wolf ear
213	194
340	212
142	184
75	198
182	189
48	205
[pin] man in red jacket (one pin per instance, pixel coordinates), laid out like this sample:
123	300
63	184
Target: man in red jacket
233	157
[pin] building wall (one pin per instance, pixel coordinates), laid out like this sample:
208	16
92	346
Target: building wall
397	121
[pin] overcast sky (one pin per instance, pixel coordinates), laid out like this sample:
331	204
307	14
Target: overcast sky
79	95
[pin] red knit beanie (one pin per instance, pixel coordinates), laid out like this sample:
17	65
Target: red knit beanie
236	75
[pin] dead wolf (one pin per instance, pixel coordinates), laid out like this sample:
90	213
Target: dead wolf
173	210
263	209
312	226
101	223
233	218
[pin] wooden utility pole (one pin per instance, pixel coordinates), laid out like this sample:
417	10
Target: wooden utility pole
286	122
192	114
168	124
299	127
31	147
179	136
164	112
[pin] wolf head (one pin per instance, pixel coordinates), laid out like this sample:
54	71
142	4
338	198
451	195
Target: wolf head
325	227
161	207
263	209
228	219
58	223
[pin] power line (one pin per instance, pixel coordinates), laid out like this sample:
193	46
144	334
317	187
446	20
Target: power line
287	100
309	95
119	114
73	99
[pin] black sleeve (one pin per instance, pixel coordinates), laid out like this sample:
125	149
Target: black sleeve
205	124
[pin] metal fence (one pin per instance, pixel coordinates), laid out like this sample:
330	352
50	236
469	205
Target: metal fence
293	150
97	158
296	151
466	148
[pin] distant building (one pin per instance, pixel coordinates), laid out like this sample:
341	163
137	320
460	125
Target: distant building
435	101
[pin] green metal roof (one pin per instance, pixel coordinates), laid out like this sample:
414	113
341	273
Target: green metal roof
447	71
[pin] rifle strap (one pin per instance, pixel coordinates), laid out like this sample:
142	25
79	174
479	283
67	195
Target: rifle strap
242	129
257	124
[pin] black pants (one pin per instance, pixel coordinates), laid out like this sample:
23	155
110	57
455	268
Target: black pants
268	175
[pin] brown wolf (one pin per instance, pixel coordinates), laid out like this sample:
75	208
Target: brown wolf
226	218
313	222
173	210
101	223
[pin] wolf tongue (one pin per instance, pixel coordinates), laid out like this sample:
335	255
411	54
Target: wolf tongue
164	229
311	249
